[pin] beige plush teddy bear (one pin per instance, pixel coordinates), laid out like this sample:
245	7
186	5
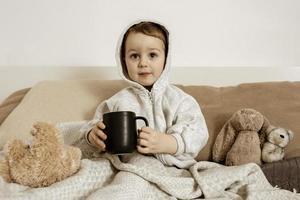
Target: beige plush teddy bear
45	161
241	138
277	139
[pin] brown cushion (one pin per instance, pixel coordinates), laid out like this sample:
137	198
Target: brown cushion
278	101
75	100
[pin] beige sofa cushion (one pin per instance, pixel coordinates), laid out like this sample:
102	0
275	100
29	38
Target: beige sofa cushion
76	100
56	101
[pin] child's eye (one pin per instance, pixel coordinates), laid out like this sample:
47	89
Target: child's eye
153	55
134	56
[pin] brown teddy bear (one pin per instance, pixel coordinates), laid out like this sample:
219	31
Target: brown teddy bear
45	161
241	138
277	139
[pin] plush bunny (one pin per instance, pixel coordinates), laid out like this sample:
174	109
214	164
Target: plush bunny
277	139
240	139
45	161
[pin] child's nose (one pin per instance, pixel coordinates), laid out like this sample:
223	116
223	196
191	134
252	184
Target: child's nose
143	62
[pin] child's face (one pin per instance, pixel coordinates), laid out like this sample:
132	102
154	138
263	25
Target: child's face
144	58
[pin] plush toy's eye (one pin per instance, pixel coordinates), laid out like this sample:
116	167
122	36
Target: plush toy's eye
282	136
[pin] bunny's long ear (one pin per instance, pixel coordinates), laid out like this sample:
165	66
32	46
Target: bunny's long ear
223	142
291	134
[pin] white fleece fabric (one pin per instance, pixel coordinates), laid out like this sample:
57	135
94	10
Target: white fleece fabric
168	110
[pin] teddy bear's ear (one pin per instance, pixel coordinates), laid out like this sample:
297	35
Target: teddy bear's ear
270	129
291	134
36	126
33	130
59	137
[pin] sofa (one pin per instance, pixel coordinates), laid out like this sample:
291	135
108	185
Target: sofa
76	100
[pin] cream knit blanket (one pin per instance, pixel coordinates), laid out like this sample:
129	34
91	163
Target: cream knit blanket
144	177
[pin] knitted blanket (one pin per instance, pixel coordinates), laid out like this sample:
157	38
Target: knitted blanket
144	177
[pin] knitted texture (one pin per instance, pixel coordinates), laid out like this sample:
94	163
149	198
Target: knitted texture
144	177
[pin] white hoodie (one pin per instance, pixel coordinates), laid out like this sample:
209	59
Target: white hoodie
168	109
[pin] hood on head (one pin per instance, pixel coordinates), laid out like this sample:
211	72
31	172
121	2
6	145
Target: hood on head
121	63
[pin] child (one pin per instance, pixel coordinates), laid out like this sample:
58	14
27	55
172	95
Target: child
177	130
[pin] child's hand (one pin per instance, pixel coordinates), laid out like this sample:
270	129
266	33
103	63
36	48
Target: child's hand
97	136
150	142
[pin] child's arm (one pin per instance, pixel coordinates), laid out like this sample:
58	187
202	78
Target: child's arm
190	132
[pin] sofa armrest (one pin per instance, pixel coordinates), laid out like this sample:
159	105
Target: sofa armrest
11	102
284	173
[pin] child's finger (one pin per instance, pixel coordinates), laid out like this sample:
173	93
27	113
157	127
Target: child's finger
97	142
143	150
101	134
101	125
146	129
142	142
143	135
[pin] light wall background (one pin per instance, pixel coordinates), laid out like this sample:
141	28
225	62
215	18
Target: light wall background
218	42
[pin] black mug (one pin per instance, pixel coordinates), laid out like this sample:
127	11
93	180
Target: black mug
121	131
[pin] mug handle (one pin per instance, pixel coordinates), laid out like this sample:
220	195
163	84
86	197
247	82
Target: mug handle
142	118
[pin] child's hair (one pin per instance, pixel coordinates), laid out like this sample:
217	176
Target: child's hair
148	28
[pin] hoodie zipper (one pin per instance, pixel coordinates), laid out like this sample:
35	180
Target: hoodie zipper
150	97
151	106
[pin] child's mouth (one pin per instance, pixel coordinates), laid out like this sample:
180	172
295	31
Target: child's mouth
144	73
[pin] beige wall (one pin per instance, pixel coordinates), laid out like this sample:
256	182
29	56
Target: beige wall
205	32
218	42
